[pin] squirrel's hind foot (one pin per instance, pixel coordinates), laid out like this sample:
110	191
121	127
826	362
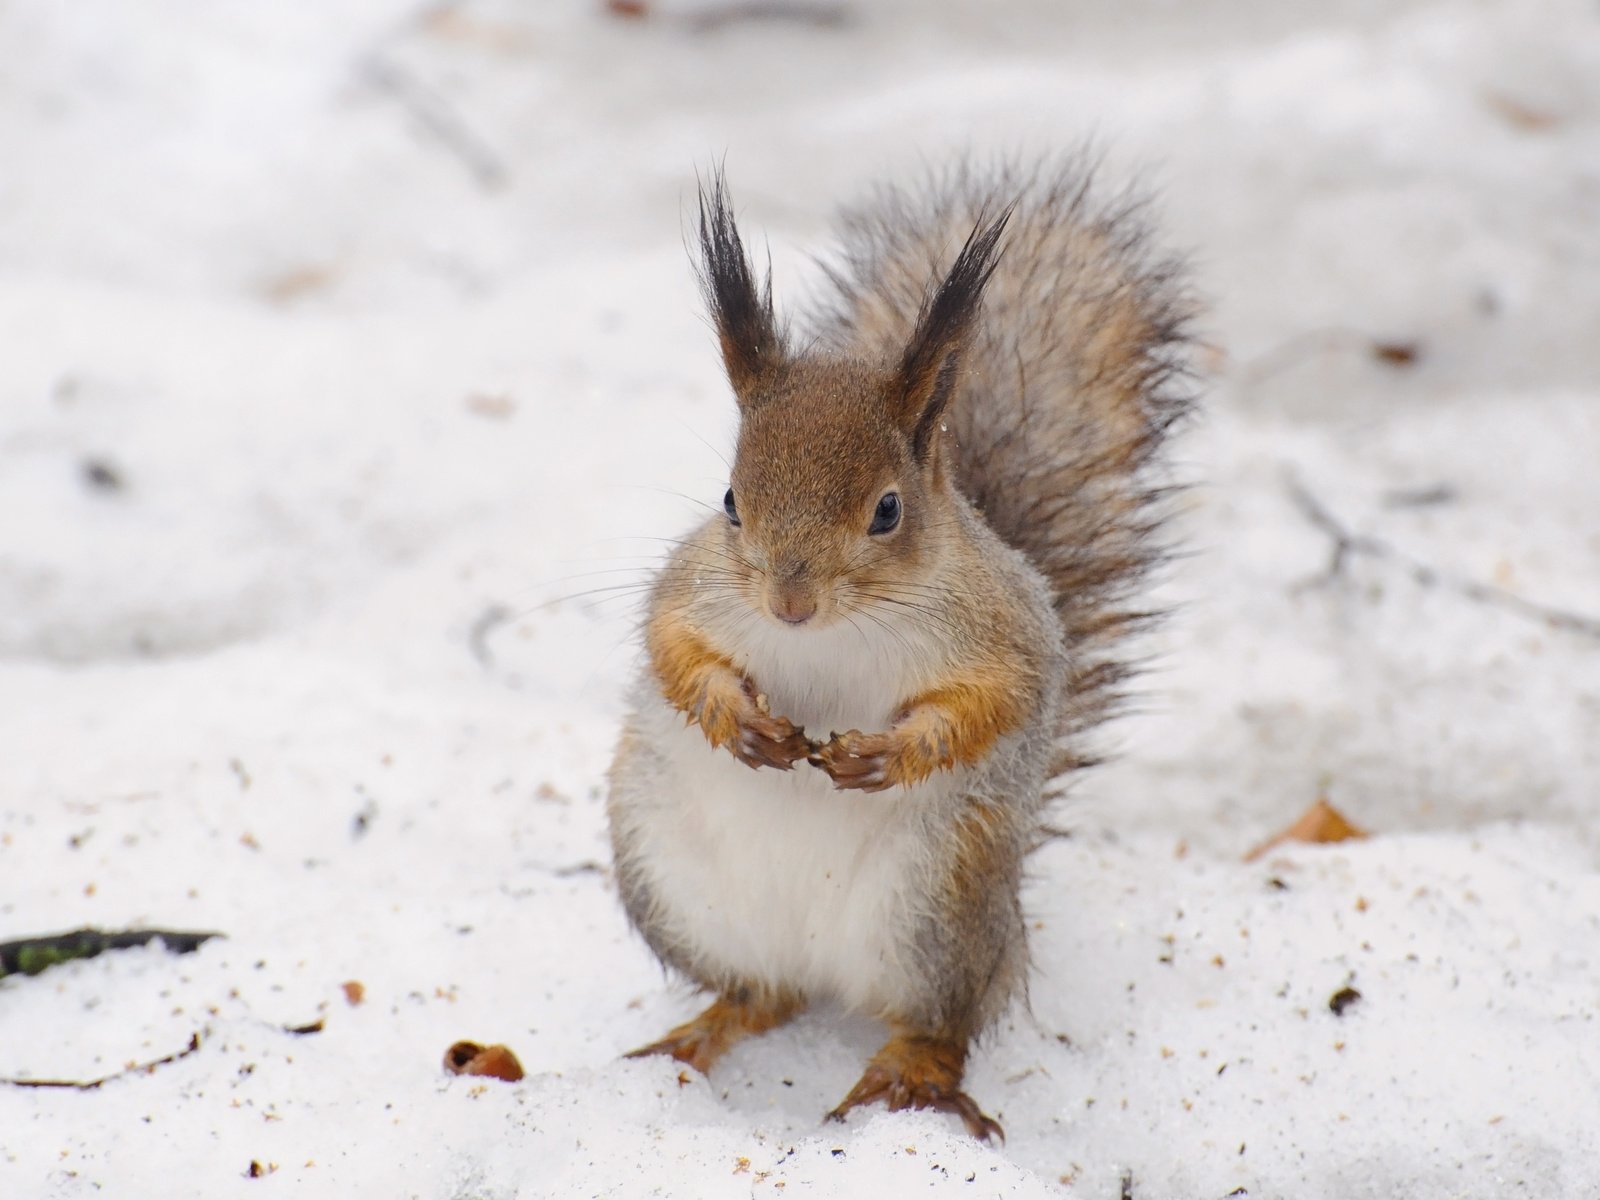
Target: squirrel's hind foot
917	1071
729	1020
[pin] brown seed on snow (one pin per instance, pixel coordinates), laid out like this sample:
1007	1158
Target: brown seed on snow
469	1058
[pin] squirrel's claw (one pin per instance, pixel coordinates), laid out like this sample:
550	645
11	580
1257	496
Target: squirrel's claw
856	760
765	741
687	1046
699	1043
900	1093
734	717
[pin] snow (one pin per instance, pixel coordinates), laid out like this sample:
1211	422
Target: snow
380	315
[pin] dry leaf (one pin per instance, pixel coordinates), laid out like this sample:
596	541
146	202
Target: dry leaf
296	284
495	405
448	23
469	1058
547	793
1320	823
1520	114
1396	354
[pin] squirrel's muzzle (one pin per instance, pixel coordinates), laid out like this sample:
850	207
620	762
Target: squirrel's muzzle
792	599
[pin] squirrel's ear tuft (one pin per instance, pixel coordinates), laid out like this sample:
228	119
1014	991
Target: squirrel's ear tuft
931	364
752	346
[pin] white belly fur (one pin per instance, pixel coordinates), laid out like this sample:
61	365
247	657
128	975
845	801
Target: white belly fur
777	876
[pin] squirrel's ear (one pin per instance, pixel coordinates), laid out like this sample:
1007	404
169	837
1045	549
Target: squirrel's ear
932	361
752	346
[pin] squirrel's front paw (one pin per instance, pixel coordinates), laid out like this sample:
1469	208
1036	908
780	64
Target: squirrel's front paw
867	761
764	741
736	719
916	747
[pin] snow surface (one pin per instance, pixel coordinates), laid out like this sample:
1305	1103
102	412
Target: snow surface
380	314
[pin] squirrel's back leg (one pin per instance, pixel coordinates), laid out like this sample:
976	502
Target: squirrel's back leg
972	947
920	1070
733	1016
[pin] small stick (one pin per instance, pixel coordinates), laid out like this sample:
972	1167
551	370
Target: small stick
823	16
88	1085
1346	544
435	115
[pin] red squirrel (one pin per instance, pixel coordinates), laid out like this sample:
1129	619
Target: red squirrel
864	676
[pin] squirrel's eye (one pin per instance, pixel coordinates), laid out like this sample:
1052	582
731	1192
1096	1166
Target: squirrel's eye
887	515
730	508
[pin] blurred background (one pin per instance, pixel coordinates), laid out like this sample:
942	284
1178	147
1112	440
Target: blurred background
351	350
282	214
297	296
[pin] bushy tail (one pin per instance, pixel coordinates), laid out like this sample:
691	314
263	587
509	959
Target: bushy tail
1072	382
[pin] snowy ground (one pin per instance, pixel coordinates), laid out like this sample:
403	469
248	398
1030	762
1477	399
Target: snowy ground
376	320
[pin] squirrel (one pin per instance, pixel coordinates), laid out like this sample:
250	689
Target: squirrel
906	618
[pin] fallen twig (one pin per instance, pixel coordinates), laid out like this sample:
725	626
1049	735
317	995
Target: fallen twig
823	16
439	119
29	956
86	1085
1419	497
1346	543
1396	353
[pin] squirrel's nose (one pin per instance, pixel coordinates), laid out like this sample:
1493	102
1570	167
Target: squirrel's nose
793	603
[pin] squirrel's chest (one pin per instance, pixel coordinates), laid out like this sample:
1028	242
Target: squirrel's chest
778	877
836	679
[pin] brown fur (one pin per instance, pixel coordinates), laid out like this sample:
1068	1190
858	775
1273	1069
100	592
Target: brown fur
701	683
974	932
696	679
1073	379
956	722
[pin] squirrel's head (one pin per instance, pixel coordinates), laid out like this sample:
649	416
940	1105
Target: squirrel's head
839	487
